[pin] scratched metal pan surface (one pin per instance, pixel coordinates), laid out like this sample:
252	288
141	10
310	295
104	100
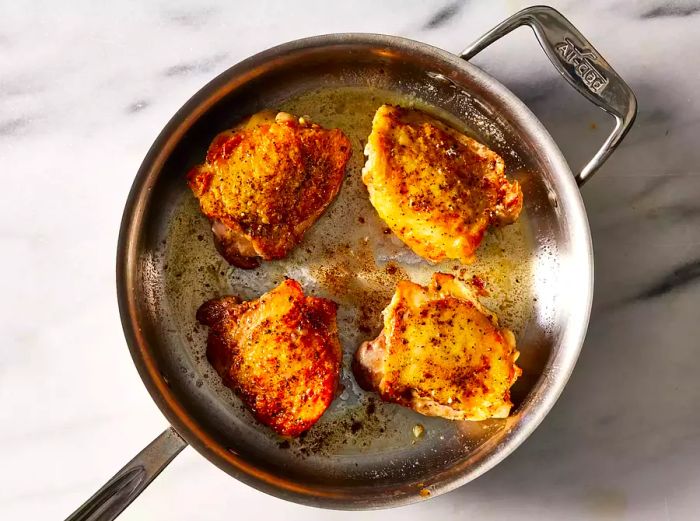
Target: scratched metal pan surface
362	453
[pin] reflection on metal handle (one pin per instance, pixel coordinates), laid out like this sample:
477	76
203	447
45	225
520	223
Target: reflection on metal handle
580	64
129	482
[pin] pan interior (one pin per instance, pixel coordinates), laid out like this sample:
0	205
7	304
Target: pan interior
361	448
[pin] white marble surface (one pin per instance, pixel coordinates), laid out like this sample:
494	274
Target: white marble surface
84	90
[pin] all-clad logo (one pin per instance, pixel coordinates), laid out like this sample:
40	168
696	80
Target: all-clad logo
584	68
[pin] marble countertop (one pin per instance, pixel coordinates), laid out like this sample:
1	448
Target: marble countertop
85	89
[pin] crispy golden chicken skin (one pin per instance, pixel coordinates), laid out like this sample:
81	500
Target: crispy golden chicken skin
279	353
440	353
266	182
437	189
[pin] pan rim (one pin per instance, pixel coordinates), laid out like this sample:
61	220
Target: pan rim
131	226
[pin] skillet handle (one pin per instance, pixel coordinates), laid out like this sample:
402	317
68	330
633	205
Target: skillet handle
131	480
580	64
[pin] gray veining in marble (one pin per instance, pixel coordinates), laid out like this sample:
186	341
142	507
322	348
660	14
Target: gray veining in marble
84	89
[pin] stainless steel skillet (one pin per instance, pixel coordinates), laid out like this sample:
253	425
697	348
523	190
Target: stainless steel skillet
364	455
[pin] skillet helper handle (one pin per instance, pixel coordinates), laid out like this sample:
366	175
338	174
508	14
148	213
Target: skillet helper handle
131	480
580	64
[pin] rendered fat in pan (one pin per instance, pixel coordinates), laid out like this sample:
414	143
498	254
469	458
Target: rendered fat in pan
363	454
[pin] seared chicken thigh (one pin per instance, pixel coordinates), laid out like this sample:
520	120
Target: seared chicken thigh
440	353
437	189
266	182
279	353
